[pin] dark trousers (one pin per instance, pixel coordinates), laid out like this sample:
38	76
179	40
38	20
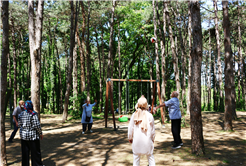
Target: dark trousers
14	132
84	125
176	127
34	147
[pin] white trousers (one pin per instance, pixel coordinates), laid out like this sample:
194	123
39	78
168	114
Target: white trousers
136	160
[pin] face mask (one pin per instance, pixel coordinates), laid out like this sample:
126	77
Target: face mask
22	106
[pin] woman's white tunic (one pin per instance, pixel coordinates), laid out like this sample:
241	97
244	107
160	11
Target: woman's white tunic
143	141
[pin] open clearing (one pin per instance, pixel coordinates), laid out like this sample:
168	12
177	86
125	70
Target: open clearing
64	145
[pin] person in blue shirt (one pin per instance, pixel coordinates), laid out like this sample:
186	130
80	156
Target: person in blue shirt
175	116
87	115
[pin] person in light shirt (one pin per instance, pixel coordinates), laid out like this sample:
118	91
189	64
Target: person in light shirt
87	115
16	113
141	133
175	116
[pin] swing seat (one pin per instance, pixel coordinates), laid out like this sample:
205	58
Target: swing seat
123	119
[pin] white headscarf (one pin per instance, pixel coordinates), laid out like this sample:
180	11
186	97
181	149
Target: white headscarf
140	114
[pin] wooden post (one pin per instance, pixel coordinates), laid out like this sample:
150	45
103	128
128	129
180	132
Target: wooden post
112	105
153	100
106	106
159	95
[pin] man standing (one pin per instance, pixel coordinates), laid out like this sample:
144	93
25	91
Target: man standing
15	114
175	116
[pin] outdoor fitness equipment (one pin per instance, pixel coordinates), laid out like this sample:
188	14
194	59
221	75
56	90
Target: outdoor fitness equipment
108	89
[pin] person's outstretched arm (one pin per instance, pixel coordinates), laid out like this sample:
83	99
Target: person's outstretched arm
94	103
162	105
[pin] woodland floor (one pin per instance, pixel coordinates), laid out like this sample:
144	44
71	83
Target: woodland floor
64	145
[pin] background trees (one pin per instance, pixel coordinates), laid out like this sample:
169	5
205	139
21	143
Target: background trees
113	40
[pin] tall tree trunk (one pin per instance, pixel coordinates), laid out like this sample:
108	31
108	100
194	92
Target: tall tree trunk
163	60
229	76
196	55
189	65
4	57
244	78
183	60
219	57
174	56
103	59
59	79
100	70
88	51
110	54
119	84
240	58
75	74
156	42
70	68
35	38
81	50
209	72
14	62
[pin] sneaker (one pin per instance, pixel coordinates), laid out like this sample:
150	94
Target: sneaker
173	143
176	147
91	131
83	132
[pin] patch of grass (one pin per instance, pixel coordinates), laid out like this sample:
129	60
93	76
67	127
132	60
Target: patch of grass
244	141
225	161
97	117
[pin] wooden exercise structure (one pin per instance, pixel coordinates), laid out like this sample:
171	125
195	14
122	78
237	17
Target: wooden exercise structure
108	89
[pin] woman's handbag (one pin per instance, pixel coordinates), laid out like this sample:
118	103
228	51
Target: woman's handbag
87	118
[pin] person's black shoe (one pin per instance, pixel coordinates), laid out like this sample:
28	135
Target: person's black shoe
10	141
176	146
180	144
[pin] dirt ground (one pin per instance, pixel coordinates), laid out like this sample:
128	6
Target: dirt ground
64	145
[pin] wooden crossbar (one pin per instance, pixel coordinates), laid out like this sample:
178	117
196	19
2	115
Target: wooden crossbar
131	80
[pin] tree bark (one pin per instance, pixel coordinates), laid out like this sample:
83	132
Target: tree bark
209	73
4	57
14	62
88	72
81	50
183	60
189	65
35	38
110	54
163	60
174	56
119	55
60	79
70	68
240	59
229	76
103	59
75	74
244	78
196	56
100	70
219	57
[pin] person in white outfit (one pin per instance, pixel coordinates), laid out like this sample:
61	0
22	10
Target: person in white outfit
141	133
